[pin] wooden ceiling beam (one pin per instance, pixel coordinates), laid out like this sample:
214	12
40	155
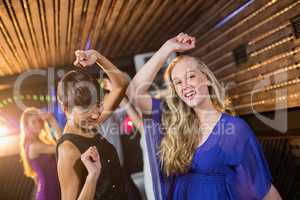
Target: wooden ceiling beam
11	37
26	33
130	25
121	23
109	23
154	11
89	23
206	34
17	22
182	13
155	31
5	66
33	15
193	13
75	18
99	23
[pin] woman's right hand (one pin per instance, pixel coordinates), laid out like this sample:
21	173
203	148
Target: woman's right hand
182	42
86	57
91	161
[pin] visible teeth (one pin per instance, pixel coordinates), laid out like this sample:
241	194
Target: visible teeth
189	94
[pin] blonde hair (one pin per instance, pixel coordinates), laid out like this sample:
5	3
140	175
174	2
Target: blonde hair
26	138
182	130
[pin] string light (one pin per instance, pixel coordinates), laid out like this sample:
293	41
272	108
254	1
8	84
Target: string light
269	101
269	33
243	21
41	98
266	62
272	46
267	75
268	88
250	29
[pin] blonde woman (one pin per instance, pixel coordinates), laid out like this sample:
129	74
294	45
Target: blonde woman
38	152
204	153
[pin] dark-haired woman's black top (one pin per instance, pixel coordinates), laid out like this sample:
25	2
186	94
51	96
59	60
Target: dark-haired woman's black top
110	185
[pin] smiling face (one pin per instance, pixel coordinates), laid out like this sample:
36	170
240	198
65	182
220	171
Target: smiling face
81	98
86	118
190	84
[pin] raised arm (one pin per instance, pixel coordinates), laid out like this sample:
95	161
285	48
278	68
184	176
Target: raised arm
127	106
118	79
137	91
69	180
53	123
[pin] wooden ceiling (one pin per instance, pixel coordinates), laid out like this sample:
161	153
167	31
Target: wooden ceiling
45	33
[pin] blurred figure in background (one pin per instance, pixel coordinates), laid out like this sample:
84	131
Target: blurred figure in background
126	107
114	131
38	152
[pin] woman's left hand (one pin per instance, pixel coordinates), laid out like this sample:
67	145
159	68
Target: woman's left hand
86	58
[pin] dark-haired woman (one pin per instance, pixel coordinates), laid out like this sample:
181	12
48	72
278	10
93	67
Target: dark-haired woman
88	165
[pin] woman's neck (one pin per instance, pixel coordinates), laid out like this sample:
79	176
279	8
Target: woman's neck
207	115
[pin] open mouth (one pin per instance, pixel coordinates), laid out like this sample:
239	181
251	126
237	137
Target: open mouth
190	95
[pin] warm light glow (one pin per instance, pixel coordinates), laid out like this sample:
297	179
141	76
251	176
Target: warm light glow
3	130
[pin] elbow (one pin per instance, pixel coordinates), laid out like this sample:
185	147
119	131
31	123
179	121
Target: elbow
123	82
272	194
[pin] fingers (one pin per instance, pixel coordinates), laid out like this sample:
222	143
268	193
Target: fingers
89	154
94	154
186	39
81	57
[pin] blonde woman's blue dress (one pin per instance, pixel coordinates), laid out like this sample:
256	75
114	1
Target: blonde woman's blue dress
230	165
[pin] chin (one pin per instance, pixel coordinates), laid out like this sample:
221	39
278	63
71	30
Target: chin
194	103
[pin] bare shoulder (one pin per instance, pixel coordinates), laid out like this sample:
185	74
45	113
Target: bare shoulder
67	151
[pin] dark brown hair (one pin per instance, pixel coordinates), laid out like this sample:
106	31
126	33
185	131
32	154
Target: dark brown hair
77	88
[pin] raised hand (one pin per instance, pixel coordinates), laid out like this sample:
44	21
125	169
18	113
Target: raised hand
86	58
91	161
182	42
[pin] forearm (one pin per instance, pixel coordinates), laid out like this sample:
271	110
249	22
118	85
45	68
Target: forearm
89	188
118	78
145	76
53	123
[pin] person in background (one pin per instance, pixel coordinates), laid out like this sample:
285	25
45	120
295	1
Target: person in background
114	131
137	121
38	152
135	117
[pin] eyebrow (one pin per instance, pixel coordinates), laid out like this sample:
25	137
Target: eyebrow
186	73
190	71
